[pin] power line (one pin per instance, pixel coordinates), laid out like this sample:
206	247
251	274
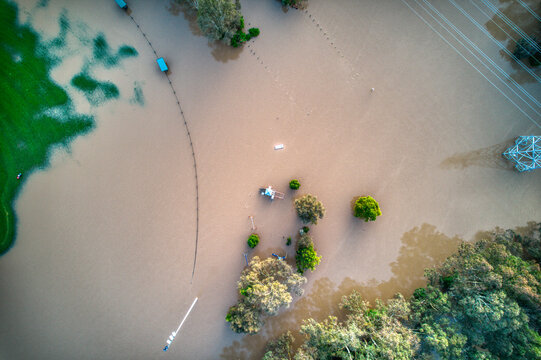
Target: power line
464	37
468	61
484	31
512	25
524	5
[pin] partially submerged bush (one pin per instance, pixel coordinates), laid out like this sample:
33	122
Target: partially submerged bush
294	184
366	208
309	209
265	286
293	3
306	254
218	19
253	240
281	348
253	32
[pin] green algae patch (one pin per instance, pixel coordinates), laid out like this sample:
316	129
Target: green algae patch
95	91
35	113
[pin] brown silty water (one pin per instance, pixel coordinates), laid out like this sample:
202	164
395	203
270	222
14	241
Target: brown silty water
102	265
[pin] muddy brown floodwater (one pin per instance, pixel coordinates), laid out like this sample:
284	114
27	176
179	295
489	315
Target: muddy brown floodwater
102	264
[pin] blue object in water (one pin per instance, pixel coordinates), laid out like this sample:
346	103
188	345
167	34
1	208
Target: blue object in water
162	64
122	4
166	347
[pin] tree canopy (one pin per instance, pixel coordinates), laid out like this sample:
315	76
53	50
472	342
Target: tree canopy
483	302
367	333
265	286
306	257
309	209
366	208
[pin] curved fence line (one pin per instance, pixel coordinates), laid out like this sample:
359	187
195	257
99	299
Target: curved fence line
191	145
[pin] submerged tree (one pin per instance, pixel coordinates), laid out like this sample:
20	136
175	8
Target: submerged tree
293	3
265	286
306	257
366	208
309	209
281	348
218	19
244	318
483	302
368	333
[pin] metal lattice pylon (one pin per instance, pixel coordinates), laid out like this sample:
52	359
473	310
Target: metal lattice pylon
526	153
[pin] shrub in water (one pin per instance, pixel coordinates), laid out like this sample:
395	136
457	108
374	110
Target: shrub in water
254	32
288	241
306	257
253	240
366	208
309	209
294	184
305	229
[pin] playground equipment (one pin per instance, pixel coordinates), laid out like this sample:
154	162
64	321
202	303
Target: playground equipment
526	153
279	257
270	192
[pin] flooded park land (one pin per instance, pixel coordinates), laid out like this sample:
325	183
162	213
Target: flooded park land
103	259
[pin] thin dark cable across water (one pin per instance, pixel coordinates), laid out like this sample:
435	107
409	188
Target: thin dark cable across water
191	145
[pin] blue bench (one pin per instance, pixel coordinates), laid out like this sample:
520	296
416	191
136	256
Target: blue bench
122	4
162	64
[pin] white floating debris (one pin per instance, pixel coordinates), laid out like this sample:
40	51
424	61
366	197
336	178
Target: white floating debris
278	147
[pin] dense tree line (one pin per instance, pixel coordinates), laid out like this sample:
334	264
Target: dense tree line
483	302
222	20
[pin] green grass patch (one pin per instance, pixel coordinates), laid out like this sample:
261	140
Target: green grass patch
28	129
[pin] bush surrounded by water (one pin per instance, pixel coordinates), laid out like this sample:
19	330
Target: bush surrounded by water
253	240
294	184
366	208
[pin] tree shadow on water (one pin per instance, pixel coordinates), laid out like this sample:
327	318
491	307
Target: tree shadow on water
223	52
175	7
503	27
489	157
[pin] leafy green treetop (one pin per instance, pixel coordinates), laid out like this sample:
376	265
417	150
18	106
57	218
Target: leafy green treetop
265	286
366	208
309	209
253	240
483	302
294	184
306	254
218	19
368	333
281	348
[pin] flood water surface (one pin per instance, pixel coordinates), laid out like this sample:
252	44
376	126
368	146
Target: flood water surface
102	264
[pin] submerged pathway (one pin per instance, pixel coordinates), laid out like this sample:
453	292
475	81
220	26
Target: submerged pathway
191	145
